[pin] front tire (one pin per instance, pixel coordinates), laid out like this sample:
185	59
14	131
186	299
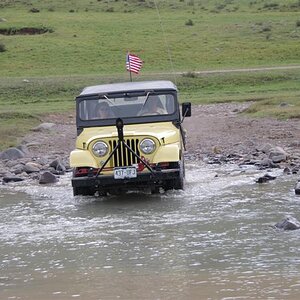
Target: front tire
177	183
84	191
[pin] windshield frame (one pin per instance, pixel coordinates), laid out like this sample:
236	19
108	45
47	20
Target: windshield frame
81	123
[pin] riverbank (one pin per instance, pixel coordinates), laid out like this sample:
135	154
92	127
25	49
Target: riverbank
216	134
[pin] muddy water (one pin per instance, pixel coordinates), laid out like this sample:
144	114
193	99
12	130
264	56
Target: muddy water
212	241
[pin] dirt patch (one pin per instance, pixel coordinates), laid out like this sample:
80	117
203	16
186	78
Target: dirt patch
25	31
223	129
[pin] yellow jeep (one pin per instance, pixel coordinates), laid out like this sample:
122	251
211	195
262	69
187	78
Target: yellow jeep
129	136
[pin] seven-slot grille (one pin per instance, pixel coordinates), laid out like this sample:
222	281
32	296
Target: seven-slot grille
123	157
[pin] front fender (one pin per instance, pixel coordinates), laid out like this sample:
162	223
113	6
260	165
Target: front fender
82	158
168	153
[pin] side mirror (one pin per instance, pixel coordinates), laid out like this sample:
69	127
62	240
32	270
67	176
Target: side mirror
186	109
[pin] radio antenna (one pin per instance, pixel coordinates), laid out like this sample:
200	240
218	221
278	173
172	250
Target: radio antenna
165	40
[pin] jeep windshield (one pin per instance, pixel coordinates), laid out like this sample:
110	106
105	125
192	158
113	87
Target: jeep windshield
127	106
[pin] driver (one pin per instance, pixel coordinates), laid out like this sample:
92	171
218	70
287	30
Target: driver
153	106
103	111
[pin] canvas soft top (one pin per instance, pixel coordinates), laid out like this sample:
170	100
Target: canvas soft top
129	87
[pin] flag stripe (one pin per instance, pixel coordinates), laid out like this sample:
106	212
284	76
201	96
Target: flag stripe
133	63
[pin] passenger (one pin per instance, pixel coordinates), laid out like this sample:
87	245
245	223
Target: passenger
103	111
153	106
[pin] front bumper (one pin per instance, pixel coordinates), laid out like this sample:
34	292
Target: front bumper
157	178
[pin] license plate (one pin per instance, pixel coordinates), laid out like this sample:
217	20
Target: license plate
122	173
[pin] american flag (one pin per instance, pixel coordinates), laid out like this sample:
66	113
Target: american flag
133	63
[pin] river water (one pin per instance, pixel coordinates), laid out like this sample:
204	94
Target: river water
212	241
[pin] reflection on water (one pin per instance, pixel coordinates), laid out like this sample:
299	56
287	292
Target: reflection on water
212	241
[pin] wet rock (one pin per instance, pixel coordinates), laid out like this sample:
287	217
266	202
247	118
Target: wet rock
295	170
288	223
12	179
12	154
44	127
266	163
287	171
265	178
47	177
295	144
297	188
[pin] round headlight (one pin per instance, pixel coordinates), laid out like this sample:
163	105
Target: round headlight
147	146
100	149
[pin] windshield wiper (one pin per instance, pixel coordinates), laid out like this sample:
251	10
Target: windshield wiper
147	96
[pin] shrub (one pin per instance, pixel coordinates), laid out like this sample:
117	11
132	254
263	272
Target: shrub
34	10
2	47
266	28
271	5
189	22
268	36
298	23
110	9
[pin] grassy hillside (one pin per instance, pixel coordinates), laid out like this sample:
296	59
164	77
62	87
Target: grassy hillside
92	37
50	50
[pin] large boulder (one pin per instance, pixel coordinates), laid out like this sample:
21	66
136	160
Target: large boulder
288	223
12	154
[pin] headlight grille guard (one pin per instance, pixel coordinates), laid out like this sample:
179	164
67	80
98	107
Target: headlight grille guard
120	125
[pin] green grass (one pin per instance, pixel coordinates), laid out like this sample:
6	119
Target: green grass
88	40
95	41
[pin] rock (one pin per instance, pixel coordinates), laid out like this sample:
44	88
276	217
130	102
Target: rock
12	163
277	154
12	179
216	150
295	170
23	148
287	171
284	104
12	154
297	188
47	177
266	148
44	127
266	163
288	223
32	167
17	169
58	165
42	161
265	178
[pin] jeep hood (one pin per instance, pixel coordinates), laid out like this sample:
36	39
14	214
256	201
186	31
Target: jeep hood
164	132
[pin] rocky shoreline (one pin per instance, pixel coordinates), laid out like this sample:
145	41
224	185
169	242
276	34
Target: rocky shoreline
217	134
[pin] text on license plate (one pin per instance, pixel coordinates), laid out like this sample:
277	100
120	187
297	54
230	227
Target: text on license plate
122	173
